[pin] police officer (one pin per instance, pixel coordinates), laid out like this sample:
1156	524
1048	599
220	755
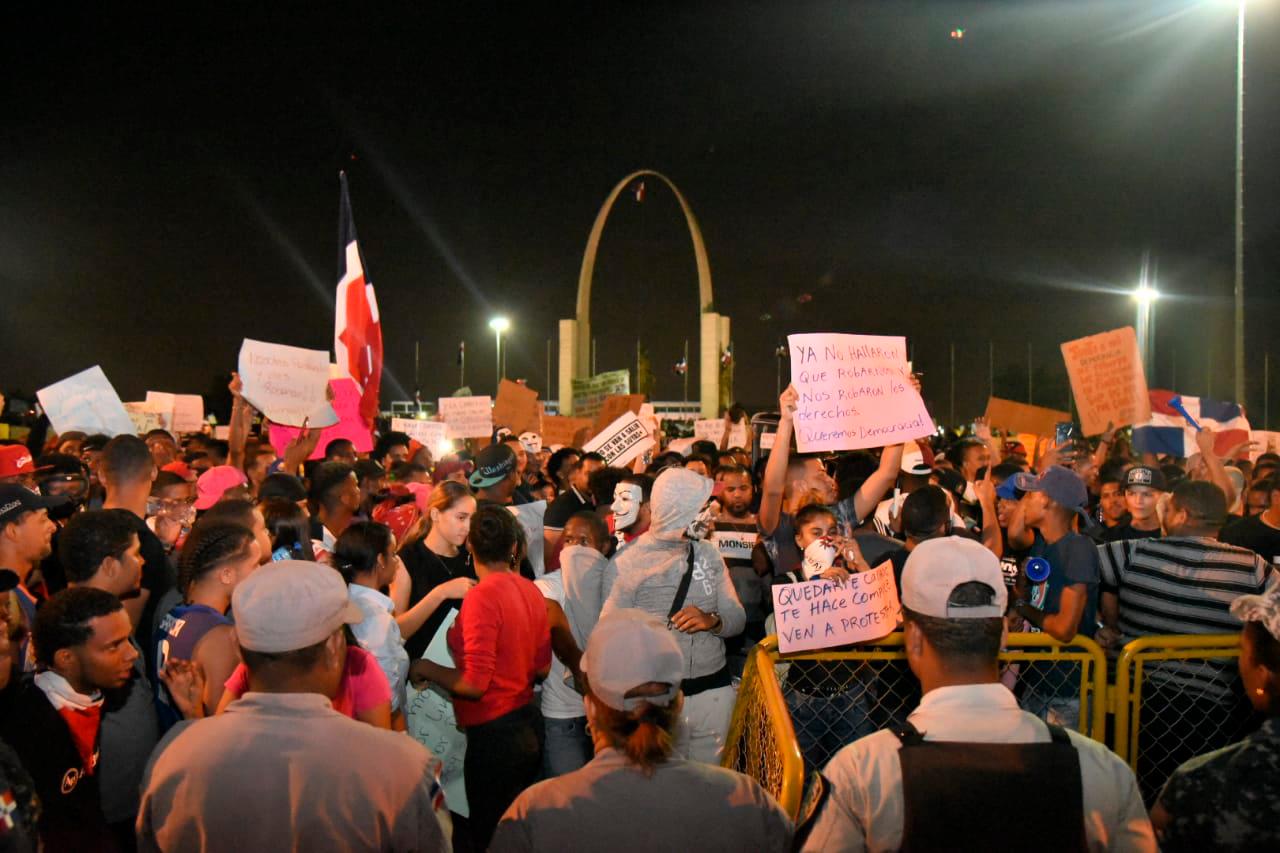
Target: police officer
969	770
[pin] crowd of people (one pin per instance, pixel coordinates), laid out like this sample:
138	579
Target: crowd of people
212	644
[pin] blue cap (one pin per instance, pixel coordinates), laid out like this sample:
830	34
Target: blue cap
1007	489
1061	485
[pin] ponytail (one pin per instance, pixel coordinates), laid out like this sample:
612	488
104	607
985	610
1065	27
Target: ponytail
643	734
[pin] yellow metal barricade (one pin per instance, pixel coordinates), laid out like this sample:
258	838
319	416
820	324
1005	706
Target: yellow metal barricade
1176	697
762	738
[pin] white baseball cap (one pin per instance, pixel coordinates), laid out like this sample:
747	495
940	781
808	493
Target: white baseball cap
290	605
937	566
629	648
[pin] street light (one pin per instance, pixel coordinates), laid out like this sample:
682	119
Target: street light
1146	296
499	325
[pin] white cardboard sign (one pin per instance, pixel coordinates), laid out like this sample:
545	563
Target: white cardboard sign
430	434
621	441
819	614
854	392
467	417
287	384
86	402
713	430
186	410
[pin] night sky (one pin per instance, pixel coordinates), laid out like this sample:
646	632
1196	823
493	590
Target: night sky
168	186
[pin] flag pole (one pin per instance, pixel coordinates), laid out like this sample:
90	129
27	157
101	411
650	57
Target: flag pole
686	370
952	412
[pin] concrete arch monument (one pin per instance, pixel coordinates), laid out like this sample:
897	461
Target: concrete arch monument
575	334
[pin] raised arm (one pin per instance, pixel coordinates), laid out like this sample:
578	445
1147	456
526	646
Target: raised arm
1217	471
874	488
774	484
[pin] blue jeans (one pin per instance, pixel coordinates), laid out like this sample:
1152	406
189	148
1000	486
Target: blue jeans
568	746
824	724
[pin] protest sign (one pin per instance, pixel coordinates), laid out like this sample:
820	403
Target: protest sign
1107	380
467	417
621	441
516	407
186	411
559	429
767	439
530	517
430	720
615	406
1009	416
1264	442
820	614
430	434
712	429
287	384
85	402
147	416
222	433
589	394
350	425
683	446
854	392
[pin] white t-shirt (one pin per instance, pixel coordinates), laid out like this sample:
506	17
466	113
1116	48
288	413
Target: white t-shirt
559	700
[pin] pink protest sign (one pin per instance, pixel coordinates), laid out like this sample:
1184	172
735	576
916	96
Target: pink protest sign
821	614
346	402
854	392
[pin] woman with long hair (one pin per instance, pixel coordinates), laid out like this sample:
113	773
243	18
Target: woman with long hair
633	667
502	645
290	529
438	567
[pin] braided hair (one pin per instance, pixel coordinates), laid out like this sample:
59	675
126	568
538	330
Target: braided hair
208	547
359	548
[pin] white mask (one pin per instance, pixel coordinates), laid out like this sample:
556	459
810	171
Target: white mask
531	441
627	498
819	556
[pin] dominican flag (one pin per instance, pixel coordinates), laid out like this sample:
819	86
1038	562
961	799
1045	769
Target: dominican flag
1168	430
357	332
681	367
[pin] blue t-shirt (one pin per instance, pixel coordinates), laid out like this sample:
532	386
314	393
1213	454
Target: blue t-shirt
1073	559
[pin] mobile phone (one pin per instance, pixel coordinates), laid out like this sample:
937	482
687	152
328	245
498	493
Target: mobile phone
1063	432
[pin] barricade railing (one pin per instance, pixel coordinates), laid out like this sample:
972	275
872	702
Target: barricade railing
1176	697
794	711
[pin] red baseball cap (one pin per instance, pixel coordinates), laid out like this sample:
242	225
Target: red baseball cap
16	460
182	469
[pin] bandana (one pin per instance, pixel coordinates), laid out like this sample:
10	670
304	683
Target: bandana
81	713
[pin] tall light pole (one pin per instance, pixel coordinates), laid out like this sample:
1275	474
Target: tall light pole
1239	286
1146	297
499	325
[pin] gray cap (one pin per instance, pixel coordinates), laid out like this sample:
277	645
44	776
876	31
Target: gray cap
291	605
629	648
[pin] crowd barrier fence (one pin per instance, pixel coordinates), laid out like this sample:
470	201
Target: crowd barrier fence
1173	698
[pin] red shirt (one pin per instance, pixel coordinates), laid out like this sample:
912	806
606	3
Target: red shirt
500	642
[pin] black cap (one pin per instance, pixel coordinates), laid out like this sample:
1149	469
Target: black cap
493	465
1145	475
16	500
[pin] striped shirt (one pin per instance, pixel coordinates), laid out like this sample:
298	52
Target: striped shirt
1183	585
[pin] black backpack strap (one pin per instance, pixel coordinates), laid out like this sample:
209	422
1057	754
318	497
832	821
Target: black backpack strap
908	734
1057	734
683	590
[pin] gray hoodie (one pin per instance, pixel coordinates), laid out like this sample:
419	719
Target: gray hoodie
648	571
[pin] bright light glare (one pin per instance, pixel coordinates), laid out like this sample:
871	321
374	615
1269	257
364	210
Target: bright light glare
499	324
444	448
1145	295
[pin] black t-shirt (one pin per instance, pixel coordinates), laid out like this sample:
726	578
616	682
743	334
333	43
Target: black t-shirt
1128	531
560	510
427	570
158	577
1255	534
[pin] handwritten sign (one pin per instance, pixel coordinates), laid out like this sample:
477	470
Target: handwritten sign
1013	417
287	384
767	439
467	417
1107	380
820	614
621	441
615	406
350	425
147	416
430	720
589	394
186	411
86	402
430	434
712	429
516	407
854	392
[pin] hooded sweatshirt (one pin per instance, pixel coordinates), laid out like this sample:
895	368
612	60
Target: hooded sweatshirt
646	575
